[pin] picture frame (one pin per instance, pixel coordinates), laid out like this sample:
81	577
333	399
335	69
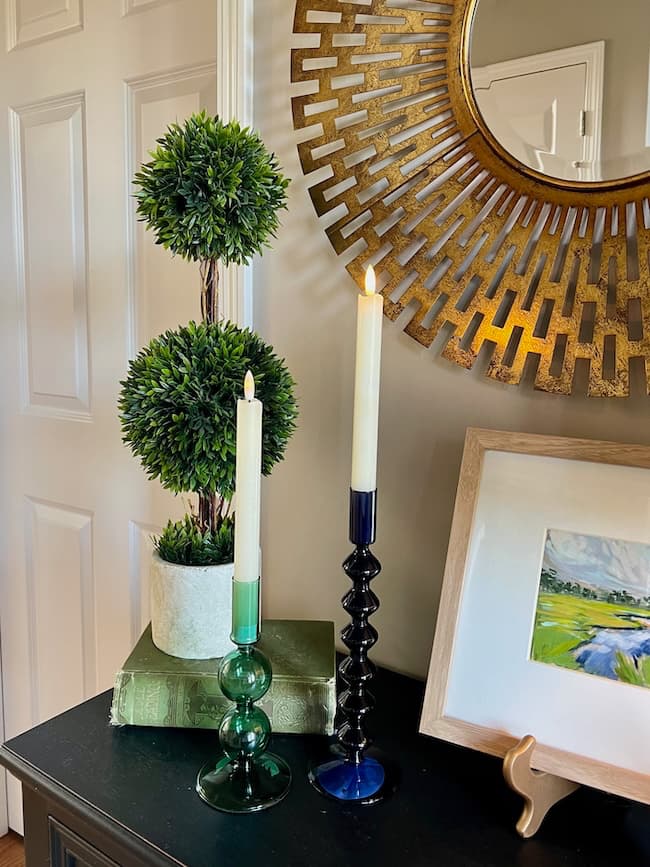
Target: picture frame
517	495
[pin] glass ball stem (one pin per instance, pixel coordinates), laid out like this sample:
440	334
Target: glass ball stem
246	777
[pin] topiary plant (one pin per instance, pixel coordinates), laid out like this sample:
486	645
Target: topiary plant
186	543
211	192
178	413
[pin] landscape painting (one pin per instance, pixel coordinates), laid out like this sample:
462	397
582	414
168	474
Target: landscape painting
593	607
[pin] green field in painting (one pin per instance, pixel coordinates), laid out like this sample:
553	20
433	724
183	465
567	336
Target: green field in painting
563	622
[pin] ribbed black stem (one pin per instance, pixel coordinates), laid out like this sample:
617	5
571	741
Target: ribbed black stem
356	671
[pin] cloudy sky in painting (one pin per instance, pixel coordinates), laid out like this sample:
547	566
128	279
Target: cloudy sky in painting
607	563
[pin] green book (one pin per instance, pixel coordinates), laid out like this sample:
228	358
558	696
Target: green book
155	689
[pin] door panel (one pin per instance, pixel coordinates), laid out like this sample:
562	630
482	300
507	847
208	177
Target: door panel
163	289
30	21
51	265
60	593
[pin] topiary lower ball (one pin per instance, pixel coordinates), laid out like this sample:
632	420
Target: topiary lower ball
178	405
245	674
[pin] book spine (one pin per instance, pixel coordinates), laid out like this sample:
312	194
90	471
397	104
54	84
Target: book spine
182	701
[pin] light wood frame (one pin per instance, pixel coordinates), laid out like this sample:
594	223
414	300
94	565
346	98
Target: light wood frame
434	722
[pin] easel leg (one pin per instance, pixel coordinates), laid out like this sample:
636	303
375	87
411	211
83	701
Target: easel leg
538	789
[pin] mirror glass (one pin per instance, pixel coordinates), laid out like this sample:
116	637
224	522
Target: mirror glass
563	84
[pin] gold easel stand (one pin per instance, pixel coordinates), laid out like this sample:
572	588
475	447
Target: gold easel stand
538	789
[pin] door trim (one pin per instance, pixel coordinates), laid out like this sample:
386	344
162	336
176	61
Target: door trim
592	54
4	802
235	101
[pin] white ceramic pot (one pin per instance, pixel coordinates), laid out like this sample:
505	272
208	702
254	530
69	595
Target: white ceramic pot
191	609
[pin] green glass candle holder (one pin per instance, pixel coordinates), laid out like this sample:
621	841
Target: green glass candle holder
246	778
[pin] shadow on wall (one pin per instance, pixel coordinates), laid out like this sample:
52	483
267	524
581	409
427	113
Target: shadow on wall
305	307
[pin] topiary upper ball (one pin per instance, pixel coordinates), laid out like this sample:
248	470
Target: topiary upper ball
178	405
211	191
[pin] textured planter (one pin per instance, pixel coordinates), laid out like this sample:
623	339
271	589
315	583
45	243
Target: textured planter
191	609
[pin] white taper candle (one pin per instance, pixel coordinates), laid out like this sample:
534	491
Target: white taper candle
370	308
248	472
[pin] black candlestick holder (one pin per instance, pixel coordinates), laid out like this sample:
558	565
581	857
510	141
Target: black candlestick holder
352	774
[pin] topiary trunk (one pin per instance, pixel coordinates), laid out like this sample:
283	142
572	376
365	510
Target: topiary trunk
209	291
209	510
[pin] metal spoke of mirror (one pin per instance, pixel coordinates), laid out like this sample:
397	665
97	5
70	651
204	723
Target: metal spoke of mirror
490	158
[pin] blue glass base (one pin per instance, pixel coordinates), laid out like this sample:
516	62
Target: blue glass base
362	783
349	782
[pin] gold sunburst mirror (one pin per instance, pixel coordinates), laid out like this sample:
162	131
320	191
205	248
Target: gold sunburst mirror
500	193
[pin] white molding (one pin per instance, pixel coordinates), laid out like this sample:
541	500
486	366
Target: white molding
235	101
592	55
134	7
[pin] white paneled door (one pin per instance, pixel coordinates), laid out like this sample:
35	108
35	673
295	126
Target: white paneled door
546	109
85	88
536	117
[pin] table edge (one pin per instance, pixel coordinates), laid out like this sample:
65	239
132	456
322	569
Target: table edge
45	786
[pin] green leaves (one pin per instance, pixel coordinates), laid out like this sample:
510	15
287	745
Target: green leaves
211	191
178	405
184	542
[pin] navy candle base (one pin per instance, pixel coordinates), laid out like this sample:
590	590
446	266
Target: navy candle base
362	784
346	781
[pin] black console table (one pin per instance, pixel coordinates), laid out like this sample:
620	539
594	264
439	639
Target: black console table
100	796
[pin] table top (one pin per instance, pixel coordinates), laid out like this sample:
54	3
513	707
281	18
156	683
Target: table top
452	807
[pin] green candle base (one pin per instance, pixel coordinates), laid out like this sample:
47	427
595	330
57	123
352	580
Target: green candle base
245	778
245	611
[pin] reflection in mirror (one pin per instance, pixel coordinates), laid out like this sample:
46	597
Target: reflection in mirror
563	84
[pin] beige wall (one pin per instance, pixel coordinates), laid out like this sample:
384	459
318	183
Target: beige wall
508	29
305	306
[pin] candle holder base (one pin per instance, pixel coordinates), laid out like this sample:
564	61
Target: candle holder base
245	778
363	783
235	789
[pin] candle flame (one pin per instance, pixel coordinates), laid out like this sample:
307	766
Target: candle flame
249	386
371	281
